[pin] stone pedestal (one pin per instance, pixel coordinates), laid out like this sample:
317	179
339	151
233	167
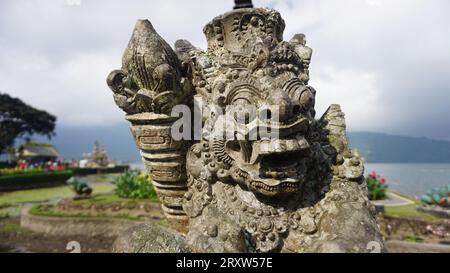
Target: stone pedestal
149	238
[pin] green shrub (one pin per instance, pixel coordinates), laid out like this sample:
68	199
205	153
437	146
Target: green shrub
35	177
437	197
90	171
16	171
377	187
23	181
81	188
134	185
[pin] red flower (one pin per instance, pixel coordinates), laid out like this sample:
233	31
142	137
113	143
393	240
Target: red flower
383	180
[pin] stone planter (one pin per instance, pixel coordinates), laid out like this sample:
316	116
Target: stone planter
407	247
436	211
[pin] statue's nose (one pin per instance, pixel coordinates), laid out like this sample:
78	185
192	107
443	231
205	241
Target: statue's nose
281	105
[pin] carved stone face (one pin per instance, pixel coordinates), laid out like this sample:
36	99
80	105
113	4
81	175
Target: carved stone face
262	110
262	132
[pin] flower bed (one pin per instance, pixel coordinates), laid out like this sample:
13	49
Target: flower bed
377	187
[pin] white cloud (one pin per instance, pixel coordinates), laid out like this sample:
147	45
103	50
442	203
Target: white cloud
355	91
386	62
394	52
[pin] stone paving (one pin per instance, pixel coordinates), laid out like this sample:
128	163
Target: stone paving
393	200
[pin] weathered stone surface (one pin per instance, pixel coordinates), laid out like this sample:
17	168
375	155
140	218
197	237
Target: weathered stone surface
152	81
217	233
149	238
266	176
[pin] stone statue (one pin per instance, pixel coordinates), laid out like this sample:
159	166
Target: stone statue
240	188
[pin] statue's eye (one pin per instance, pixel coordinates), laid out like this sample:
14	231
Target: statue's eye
302	95
242	93
243	96
243	112
243	100
307	100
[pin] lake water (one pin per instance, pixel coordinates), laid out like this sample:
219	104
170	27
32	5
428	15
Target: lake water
137	165
411	179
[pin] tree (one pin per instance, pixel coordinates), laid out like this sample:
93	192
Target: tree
10	151
17	119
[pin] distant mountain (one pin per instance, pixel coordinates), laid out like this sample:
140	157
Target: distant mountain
72	142
383	148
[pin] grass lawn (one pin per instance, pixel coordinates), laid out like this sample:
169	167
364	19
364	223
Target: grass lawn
11	202
39	211
112	198
409	211
40	195
106	199
43	211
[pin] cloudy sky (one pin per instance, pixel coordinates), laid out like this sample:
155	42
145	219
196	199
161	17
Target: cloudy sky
387	62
